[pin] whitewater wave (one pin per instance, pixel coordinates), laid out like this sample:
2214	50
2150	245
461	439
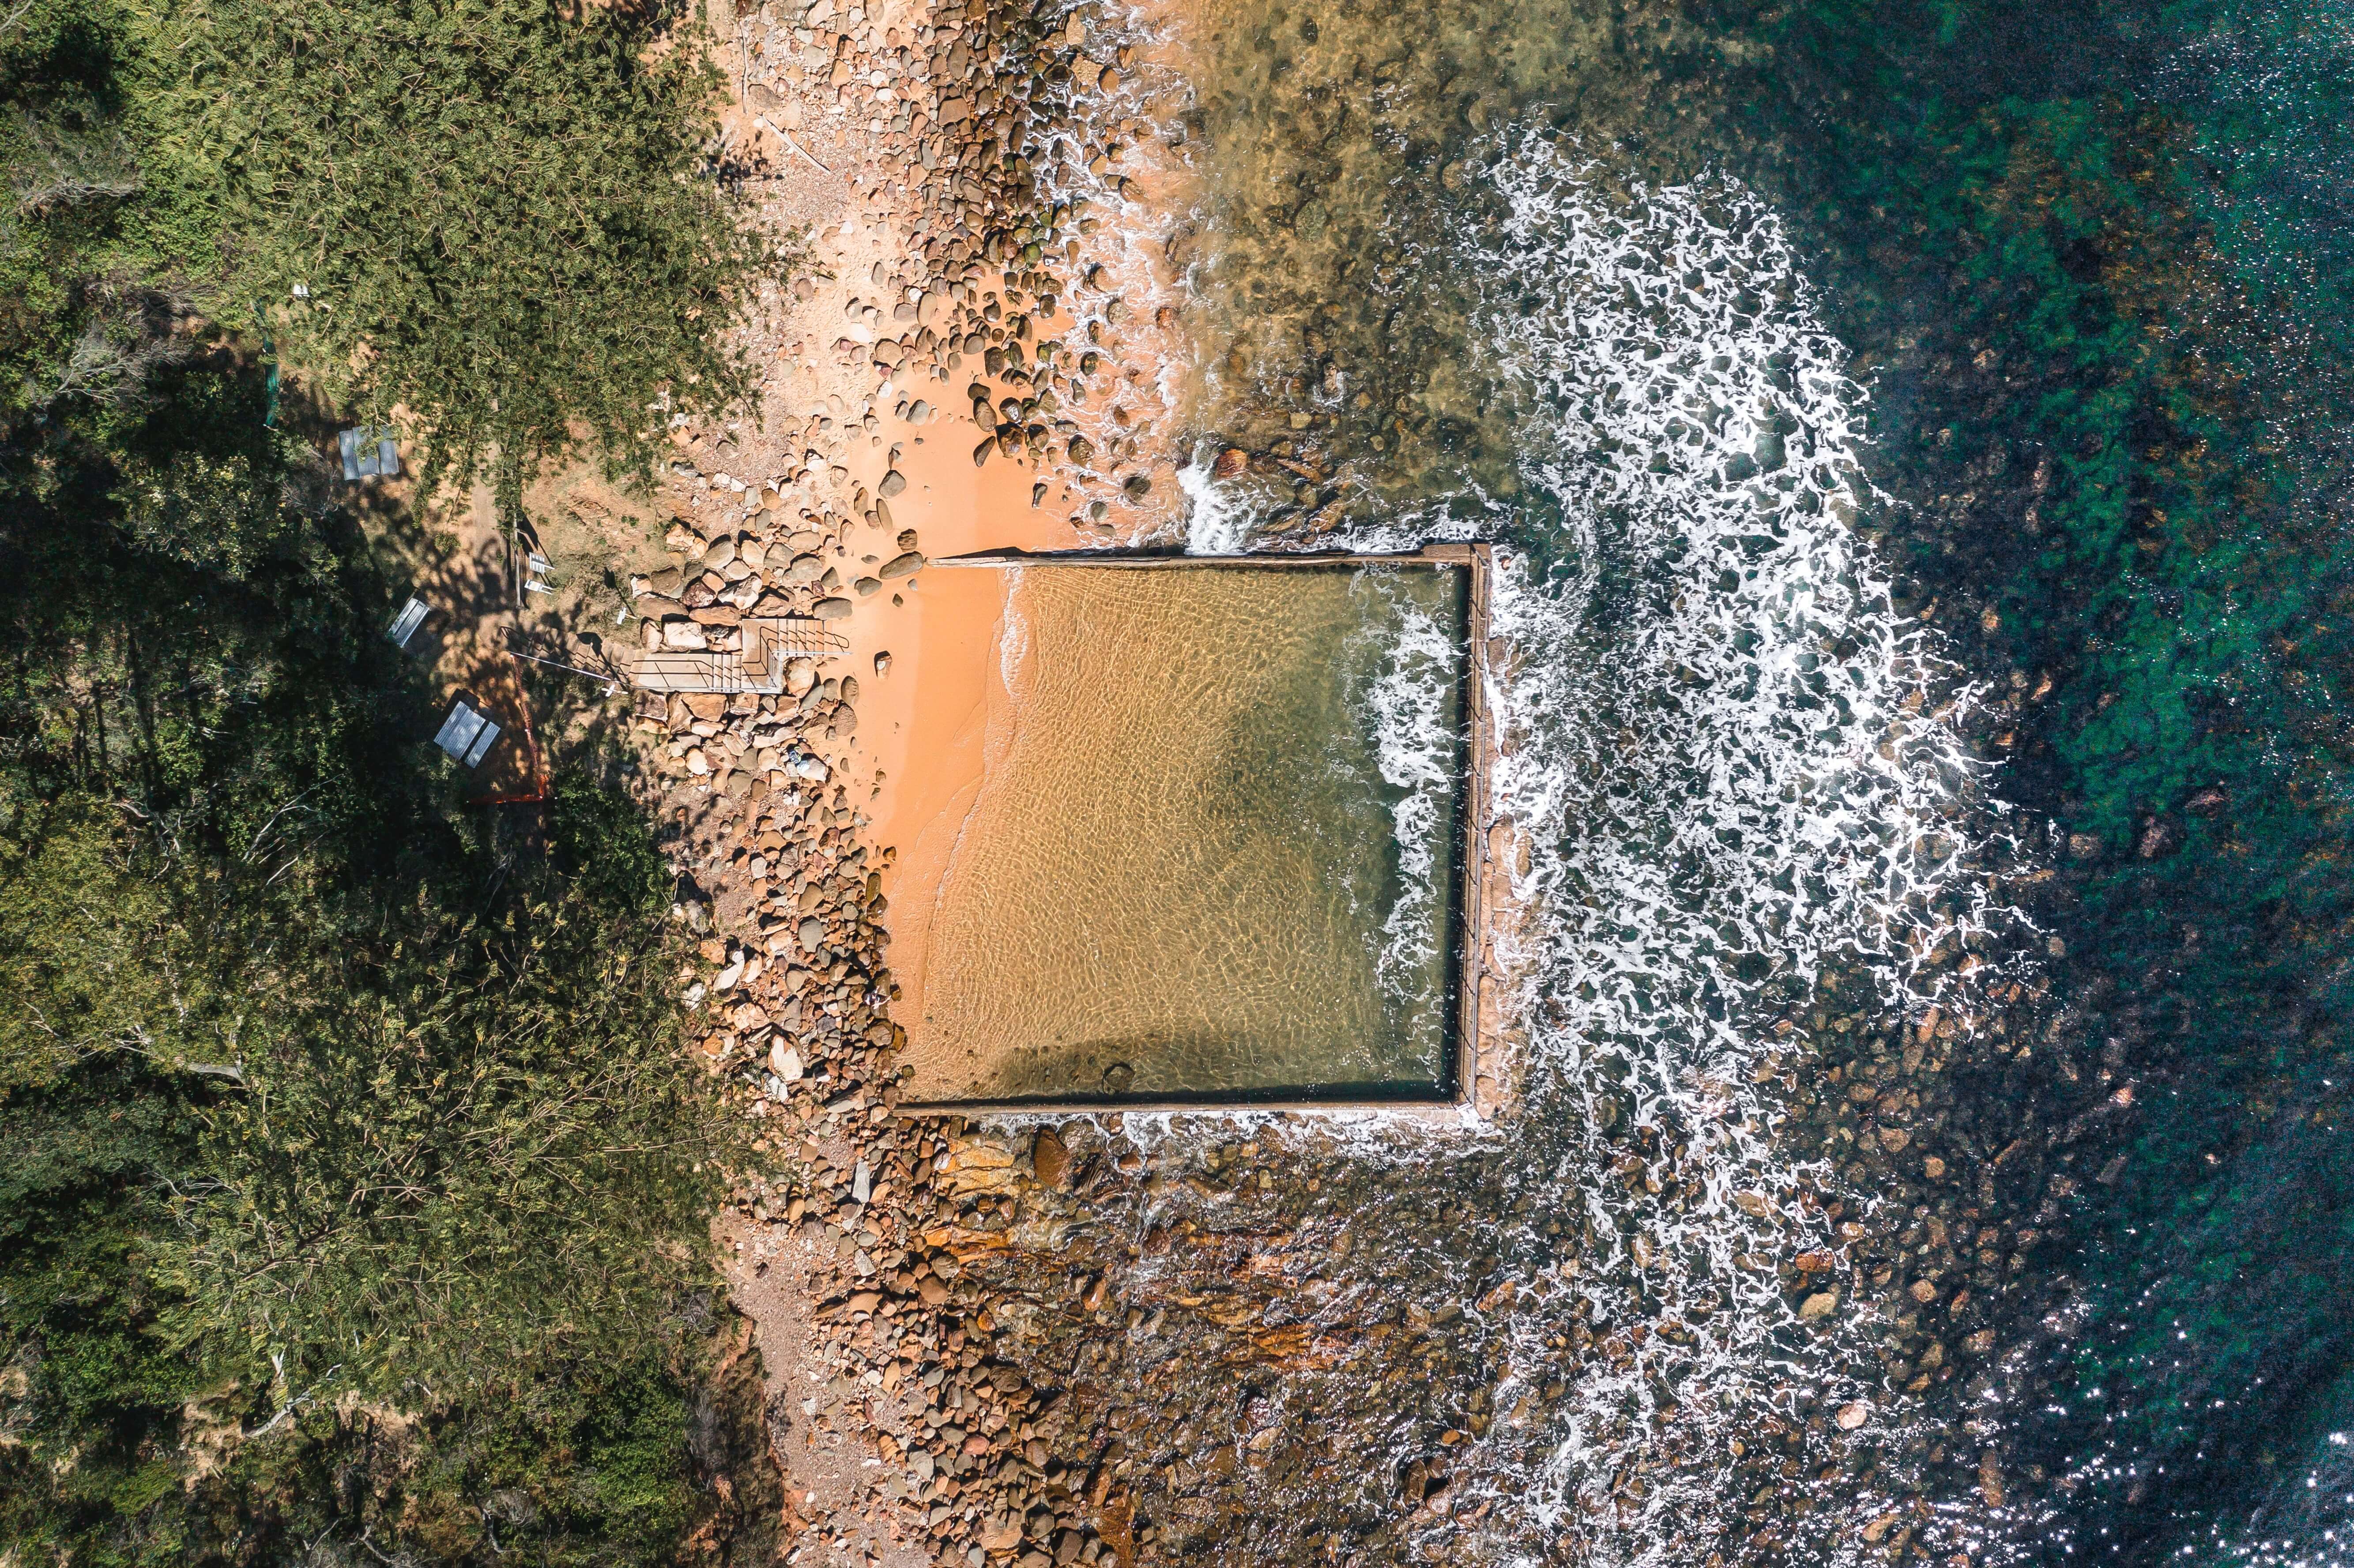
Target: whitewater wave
1405	706
1217	516
1729	765
1730	762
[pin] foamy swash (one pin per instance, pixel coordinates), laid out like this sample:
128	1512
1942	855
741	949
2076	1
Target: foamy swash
1403	707
1716	744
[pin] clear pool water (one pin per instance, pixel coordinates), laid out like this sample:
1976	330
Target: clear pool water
1214	856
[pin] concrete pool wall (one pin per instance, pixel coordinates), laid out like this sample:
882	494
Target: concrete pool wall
1052	961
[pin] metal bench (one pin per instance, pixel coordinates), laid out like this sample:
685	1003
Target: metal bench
408	623
467	735
368	453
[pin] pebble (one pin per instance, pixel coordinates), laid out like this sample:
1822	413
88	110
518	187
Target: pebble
1048	1157
800	998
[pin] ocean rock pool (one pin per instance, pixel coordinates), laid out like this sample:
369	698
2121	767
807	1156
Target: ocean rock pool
1214	851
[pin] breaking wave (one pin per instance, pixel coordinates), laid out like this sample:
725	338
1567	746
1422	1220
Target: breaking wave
1727	758
1404	706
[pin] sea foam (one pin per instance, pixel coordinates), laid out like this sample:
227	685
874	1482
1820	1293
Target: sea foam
1730	768
1729	758
1404	706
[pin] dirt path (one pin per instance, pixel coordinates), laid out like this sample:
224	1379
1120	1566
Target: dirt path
931	161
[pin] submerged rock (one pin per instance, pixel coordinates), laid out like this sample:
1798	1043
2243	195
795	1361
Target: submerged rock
1049	1158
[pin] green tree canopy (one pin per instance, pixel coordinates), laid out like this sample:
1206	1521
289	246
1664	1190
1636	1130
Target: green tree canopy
352	1183
498	216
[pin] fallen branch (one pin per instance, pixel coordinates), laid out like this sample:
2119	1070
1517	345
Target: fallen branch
277	1361
768	124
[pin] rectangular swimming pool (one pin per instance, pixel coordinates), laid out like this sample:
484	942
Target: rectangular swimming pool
1217	851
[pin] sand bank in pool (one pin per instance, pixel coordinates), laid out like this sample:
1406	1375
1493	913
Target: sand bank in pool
920	719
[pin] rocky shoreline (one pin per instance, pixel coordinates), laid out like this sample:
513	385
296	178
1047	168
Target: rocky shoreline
960	1324
937	278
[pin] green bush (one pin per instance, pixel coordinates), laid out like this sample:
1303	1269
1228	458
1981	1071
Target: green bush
494	205
334	1124
355	1185
499	212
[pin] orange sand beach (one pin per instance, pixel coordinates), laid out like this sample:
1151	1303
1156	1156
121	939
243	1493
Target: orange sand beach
922	719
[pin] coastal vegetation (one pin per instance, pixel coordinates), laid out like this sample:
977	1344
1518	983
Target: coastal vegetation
487	212
354	1186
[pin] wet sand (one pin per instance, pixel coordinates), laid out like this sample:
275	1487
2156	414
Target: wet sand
922	719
